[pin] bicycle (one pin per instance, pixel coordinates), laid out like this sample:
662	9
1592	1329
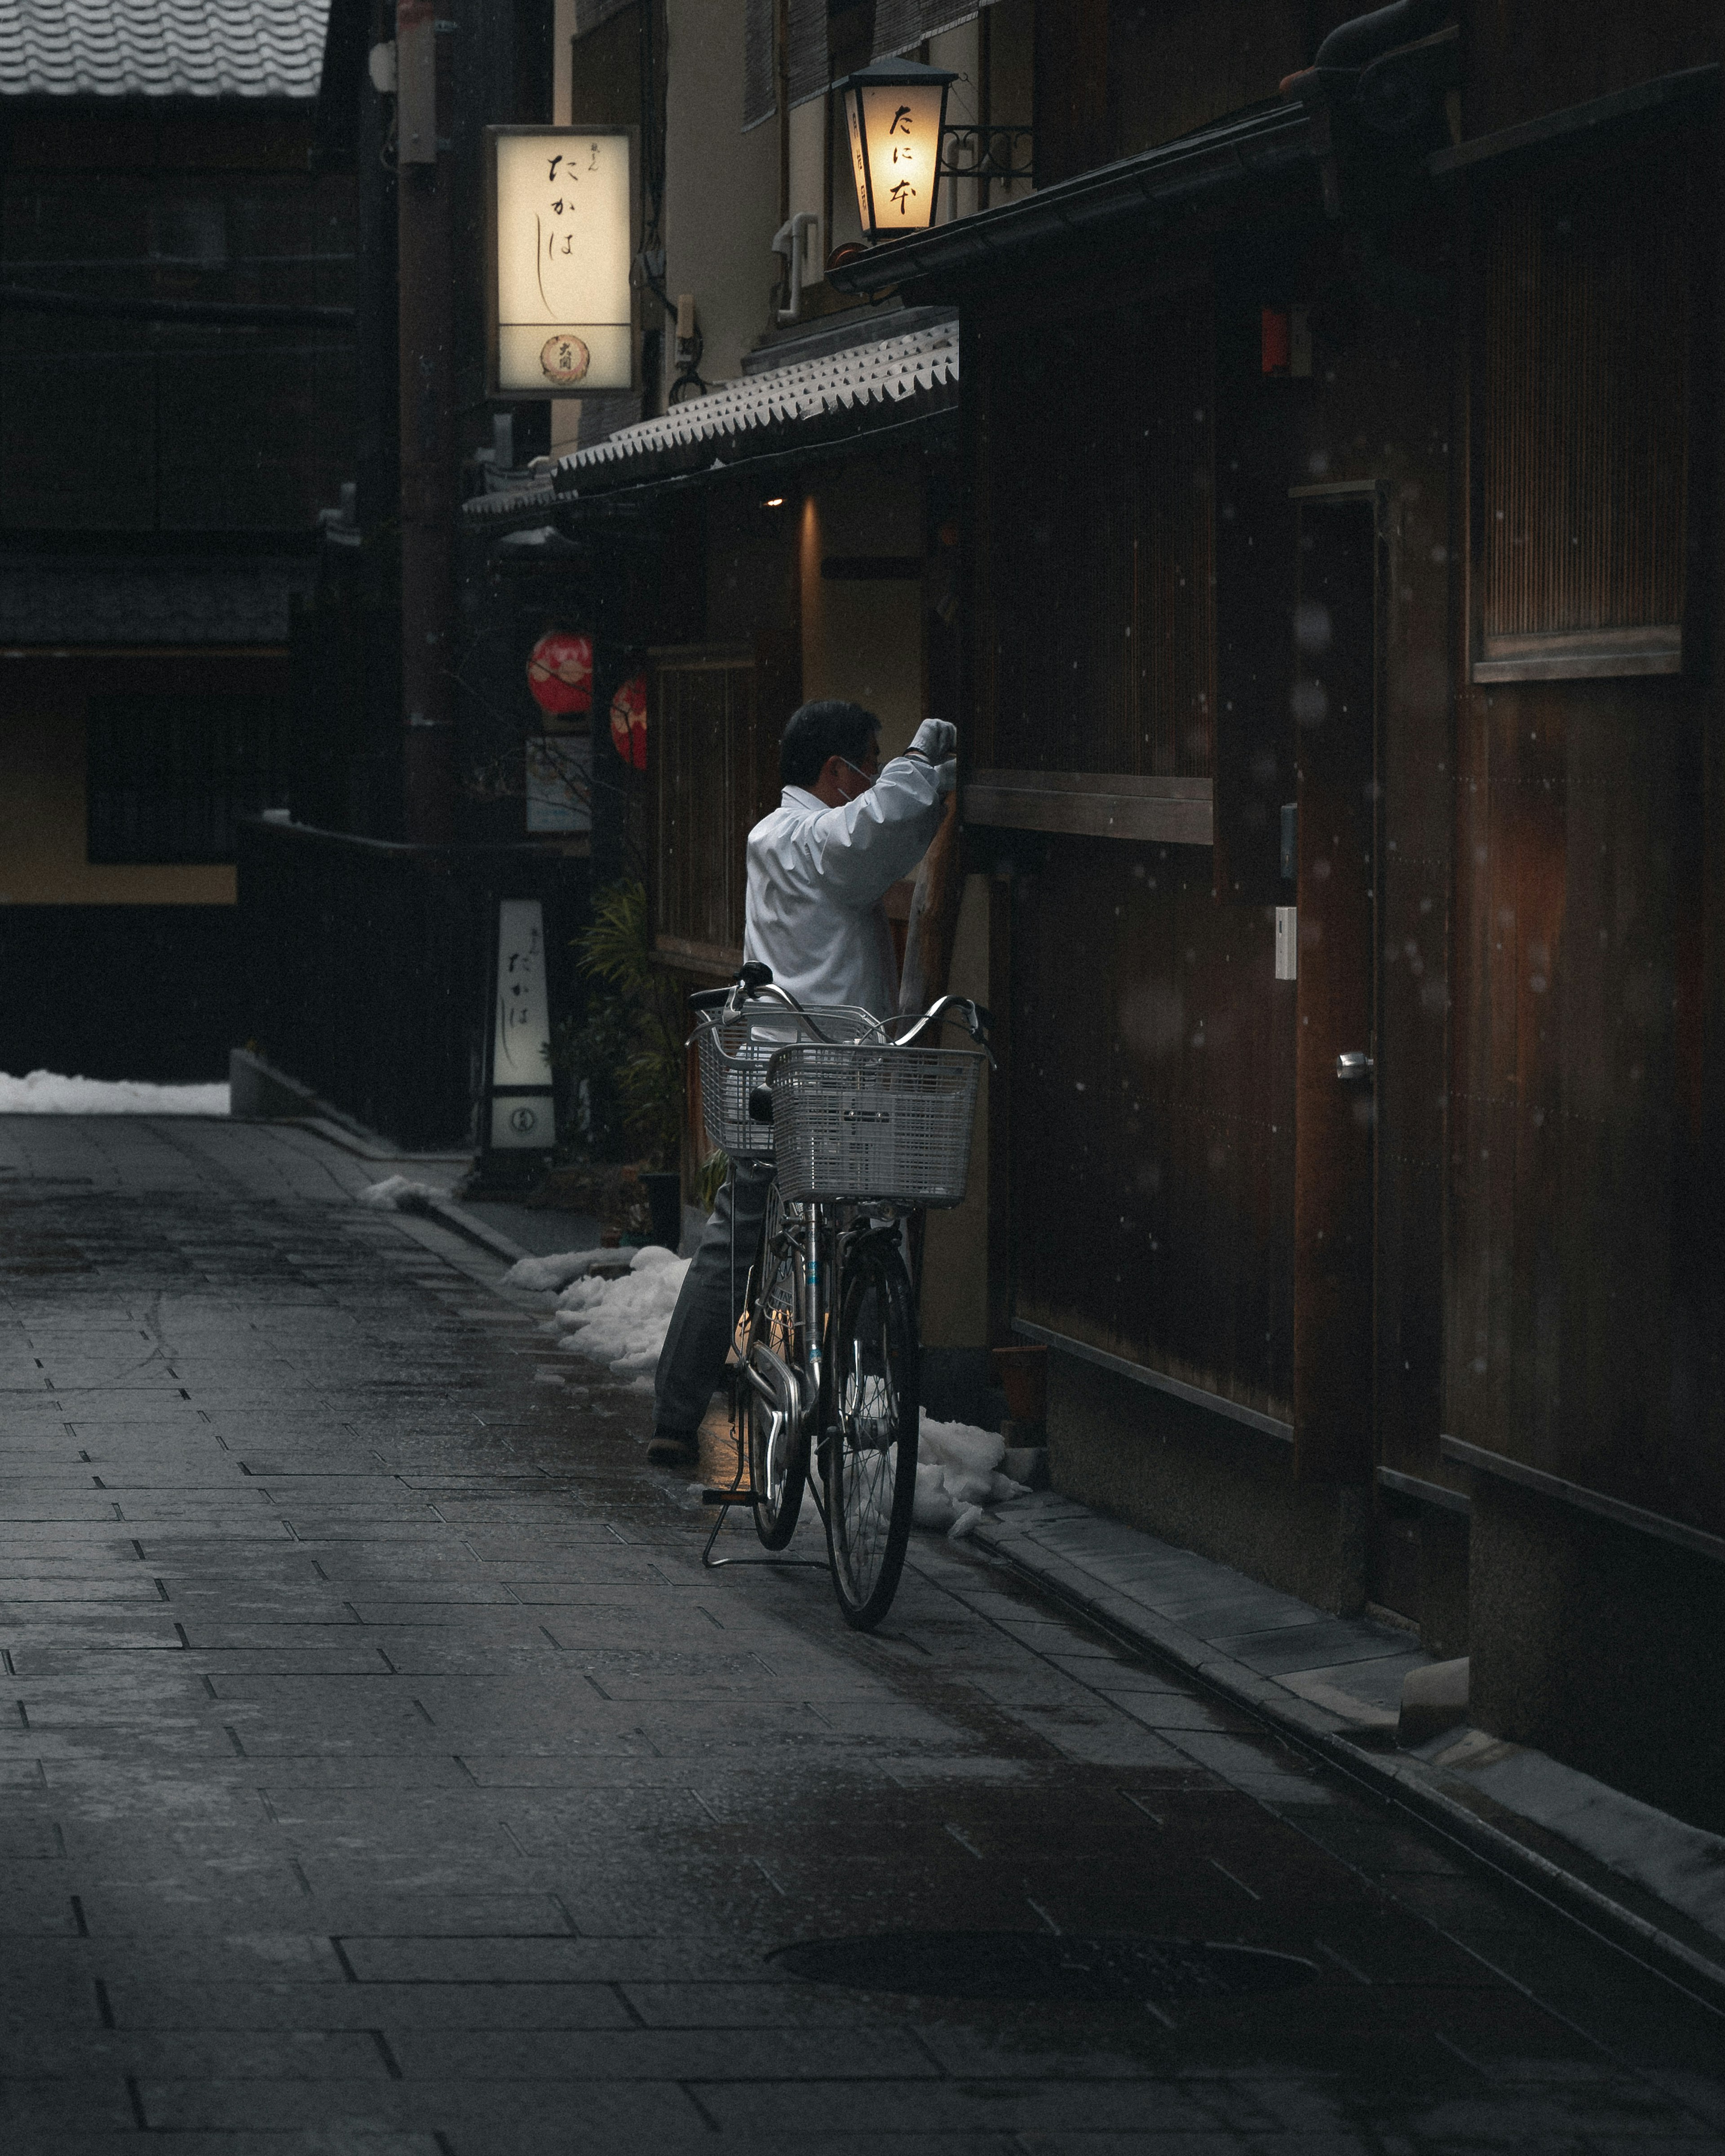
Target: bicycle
864	1126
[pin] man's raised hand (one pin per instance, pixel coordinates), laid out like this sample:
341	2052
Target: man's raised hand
936	741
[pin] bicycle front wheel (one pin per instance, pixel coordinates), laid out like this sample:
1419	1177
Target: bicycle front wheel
868	1450
775	1434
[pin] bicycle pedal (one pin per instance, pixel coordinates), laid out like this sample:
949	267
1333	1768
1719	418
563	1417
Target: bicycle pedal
728	1497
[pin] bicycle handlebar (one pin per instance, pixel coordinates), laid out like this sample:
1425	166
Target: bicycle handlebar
976	1021
754	983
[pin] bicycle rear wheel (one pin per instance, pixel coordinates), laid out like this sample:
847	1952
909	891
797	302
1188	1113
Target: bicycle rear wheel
775	1434
868	1452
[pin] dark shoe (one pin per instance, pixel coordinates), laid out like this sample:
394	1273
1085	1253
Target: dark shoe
674	1448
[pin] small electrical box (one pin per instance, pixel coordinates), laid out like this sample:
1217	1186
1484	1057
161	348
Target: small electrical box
1287	943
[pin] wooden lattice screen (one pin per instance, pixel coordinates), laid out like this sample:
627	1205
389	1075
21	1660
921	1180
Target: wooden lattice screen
1584	427
707	784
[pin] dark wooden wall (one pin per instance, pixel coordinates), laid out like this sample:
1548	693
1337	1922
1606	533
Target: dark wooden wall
1151	1110
1586	1307
1173	67
1095	561
1529	57
109	425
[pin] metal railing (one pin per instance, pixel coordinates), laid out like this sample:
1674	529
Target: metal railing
995	155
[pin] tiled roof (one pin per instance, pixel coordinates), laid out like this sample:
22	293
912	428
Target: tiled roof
852	392
184	602
506	500
840	396
160	48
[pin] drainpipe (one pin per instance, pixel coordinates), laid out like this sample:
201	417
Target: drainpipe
1351	45
791	240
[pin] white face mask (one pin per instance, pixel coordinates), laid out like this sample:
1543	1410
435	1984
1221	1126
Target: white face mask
868	777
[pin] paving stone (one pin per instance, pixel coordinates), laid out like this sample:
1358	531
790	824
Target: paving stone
436	1799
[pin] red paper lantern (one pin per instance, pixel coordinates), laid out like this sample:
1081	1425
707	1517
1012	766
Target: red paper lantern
560	672
628	723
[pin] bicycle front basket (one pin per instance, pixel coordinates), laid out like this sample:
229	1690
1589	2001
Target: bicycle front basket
735	1052
889	1125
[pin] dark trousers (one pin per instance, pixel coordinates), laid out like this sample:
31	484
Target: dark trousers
692	1360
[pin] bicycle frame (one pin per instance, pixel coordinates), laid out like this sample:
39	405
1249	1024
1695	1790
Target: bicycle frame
797	1393
825	1237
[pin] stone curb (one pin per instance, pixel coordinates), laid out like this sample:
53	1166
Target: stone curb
1403	1780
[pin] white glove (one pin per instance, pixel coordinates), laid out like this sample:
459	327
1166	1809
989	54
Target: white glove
945	775
936	740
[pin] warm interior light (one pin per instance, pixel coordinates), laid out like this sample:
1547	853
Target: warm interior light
773	501
896	112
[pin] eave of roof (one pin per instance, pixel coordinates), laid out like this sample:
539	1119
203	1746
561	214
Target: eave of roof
1145	191
818	406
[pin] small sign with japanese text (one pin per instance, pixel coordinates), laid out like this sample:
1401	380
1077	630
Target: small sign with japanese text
522	1115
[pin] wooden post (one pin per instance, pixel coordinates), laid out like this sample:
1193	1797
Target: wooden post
934	916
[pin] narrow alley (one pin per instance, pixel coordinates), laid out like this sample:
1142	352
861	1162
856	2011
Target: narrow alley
383	1772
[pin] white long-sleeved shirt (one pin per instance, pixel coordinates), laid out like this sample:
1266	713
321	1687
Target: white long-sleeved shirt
816	879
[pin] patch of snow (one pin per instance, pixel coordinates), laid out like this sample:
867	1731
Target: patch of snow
395	1193
545	1276
622	1323
48	1093
959	1472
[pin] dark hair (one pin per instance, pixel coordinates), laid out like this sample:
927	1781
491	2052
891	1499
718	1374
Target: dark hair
817	731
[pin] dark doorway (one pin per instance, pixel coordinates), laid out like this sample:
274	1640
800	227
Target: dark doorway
1336	703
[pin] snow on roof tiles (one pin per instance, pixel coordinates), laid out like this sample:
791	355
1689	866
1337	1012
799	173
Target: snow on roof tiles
160	48
840	394
867	380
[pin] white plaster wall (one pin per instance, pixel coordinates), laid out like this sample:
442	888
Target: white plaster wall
722	186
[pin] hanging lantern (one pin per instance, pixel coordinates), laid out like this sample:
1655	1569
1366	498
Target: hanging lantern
628	723
897	114
559	673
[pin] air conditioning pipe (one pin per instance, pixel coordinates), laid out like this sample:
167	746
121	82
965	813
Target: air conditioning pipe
792	241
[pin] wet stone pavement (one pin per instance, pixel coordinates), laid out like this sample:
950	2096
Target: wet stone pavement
381	1771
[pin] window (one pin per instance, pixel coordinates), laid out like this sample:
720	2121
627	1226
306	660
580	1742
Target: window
168	777
1584	387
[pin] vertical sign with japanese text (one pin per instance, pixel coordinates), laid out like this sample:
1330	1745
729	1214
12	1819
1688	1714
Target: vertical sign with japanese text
563	244
522	1114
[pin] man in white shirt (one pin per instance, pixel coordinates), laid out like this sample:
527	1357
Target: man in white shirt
845	832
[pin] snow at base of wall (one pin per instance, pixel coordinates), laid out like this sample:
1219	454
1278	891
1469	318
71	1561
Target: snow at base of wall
622	1323
46	1093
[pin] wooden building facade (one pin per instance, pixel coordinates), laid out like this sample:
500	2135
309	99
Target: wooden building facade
1341	581
175	375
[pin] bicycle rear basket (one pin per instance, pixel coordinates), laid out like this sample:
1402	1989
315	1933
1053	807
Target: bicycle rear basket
735	1052
892	1125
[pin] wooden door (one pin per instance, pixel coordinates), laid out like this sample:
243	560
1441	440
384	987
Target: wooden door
1336	697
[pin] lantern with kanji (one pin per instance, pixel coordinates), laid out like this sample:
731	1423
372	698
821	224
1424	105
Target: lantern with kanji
559	673
628	723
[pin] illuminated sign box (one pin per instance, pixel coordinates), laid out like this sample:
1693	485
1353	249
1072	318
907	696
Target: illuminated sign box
562	237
